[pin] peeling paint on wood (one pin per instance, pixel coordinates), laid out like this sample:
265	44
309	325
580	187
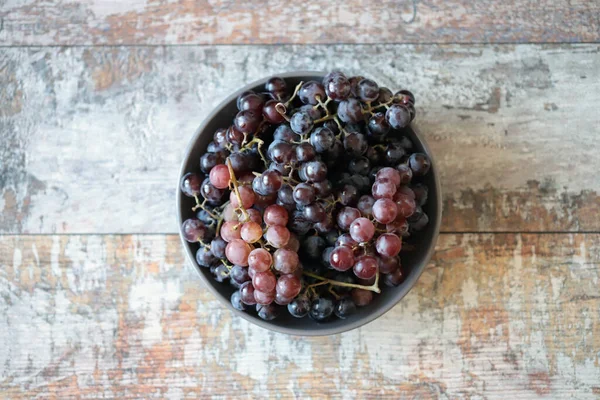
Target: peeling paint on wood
276	21
95	135
124	317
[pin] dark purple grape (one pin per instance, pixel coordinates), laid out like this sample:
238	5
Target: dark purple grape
354	80
378	125
313	247
344	308
356	144
275	84
348	195
304	194
190	184
301	123
281	152
267	312
394	154
236	301
421	193
271	181
247	293
212	194
393	279
204	257
285	134
247	121
313	113
239	274
212	147
210	160
420	223
360	166
241	96
326	225
365	205
286	195
298	224
271	114
332	126
367	90
251	101
314	171
220	137
321	309
407	97
305	152
419	163
323	188
398	116
373	155
194	230
310	91
299	306
314	212
350	110
221	273
337	86
385	95
217	247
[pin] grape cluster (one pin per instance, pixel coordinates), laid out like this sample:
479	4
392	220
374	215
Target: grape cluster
304	201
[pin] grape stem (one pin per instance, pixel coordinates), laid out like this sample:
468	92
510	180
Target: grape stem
298	86
373	288
201	205
234	183
282	110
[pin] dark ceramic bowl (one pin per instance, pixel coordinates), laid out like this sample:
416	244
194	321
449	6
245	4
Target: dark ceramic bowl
414	262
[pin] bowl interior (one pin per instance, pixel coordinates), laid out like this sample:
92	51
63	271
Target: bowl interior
413	262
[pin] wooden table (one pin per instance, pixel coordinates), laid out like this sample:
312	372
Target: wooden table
97	103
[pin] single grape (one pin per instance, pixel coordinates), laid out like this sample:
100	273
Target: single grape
389	173
325	255
221	273
323	188
234	136
366	267
346	240
388	245
275	215
251	101
299	306
385	95
247	121
288	286
394	278
239	274
385	210
271	181
268	312
419	163
246	194
237	252
217	247
406	206
350	111
348	195
299	224
229	213
220	137
260	260
362	230
190	184
367	90
231	230
282	300
346	216
406	173
281	152
388	265
421	192
354	80
326	225
398	116
360	166
399	226
264	298
315	171
378	125
305	152
322	139
251	232
344	307
312	247
311	91
405	190
365	205
420	224
242	162
204	257
342	258
304	194
337	86
356	144
194	230
286	195
301	123
247	293
407	97
361	297
275	84
321	309
209	160
383	188
277	236
271	114
236	301
285	261
264	281
314	212
285	134
373	155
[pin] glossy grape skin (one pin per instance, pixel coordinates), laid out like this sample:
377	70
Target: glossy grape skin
301	123
406	205
236	301
220	137
406	173
346	216
356	144
237	252
299	224
366	267
304	194
239	274
234	136
360	166
344	308
315	171
288	286
350	110
408	97
337	86
220	273
394	278
278	236
399	226
365	205
388	265
383	188
275	84
378	125
362	230
260	260
299	307
322	139
385	95
190	184
247	121
251	232
385	210
264	281
275	215
361	297
354	80
321	309
342	258
271	182
250	101
285	134
390	174
310	91
285	261
247	293
209	160
271	114
388	245
348	195
419	163
305	152
194	230
394	154
267	312
217	247
204	257
398	116
323	188
346	240
367	90
280	152
314	212
230	230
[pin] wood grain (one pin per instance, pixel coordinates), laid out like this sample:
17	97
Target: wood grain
124	317
95	135
72	22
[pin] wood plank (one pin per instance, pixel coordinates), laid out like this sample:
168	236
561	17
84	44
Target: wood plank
124	317
40	22
95	135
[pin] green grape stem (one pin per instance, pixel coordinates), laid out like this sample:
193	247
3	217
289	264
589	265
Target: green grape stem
201	205
234	183
373	288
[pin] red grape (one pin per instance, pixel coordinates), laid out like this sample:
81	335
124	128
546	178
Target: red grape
194	230
362	230
237	252
388	245
288	286
383	188
219	176
275	215
260	260
251	232
263	298
264	281
247	293
231	230
246	194
366	267
278	236
385	210
285	261
342	258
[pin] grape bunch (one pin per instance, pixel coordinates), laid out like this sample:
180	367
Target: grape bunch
303	203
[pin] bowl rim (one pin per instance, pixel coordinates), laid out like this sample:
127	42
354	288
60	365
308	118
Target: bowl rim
325	331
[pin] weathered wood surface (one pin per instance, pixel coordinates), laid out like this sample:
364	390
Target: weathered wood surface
494	315
38	22
92	137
